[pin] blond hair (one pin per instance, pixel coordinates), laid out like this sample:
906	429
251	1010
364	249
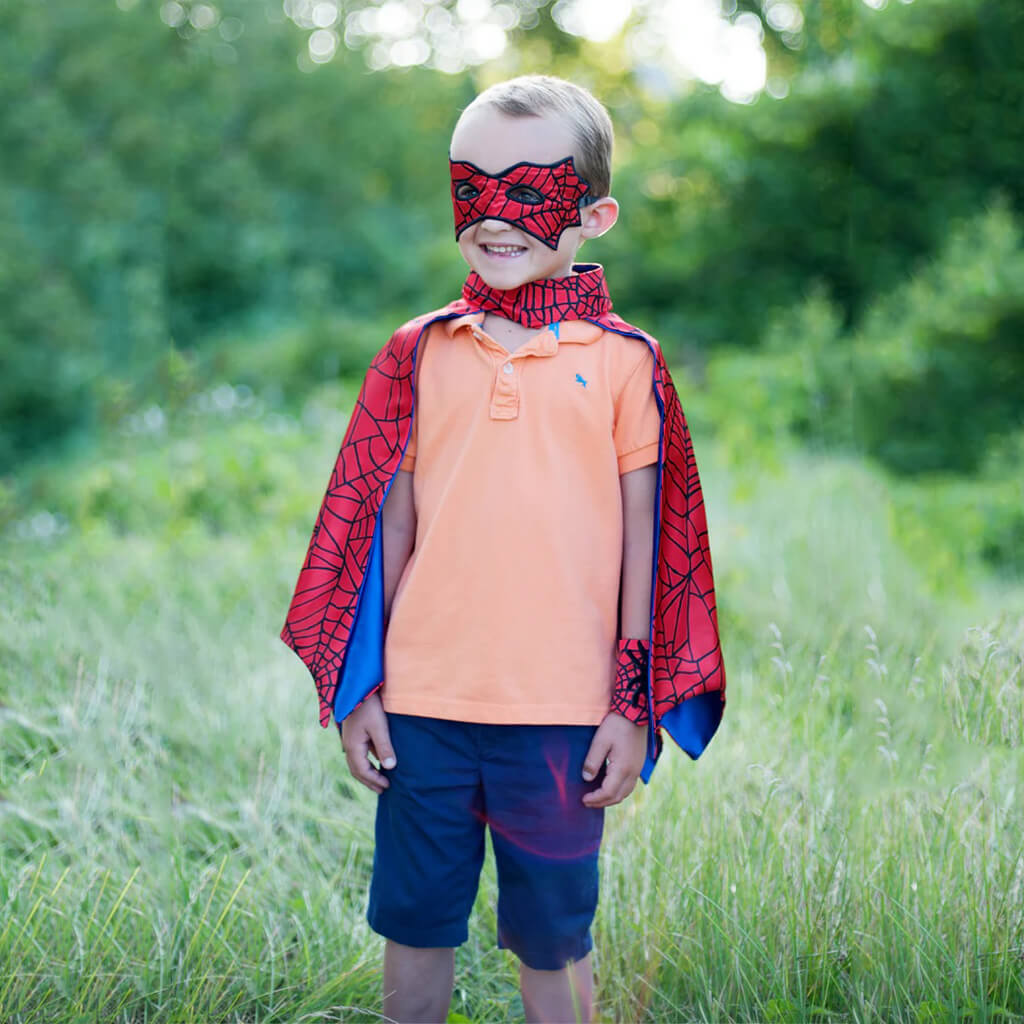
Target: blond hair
535	95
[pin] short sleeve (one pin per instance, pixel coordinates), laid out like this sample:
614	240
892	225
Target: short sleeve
409	459
637	420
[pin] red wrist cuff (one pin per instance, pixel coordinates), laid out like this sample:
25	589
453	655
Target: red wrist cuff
629	697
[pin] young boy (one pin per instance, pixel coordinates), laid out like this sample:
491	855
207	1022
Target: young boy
508	592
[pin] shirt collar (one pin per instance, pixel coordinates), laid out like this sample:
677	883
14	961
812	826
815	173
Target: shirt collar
570	332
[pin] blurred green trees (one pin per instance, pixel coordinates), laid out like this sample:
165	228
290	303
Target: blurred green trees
155	187
857	245
860	239
850	181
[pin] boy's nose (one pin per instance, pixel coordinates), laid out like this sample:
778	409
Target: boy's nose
494	224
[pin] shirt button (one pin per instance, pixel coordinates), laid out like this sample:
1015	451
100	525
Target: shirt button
507	368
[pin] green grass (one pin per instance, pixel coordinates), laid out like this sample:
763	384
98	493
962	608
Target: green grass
179	840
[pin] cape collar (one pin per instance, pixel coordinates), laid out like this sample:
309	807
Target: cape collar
580	296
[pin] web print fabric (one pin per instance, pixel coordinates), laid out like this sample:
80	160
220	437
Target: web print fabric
686	658
629	696
323	607
560	186
580	296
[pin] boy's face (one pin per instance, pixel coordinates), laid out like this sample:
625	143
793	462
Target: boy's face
506	255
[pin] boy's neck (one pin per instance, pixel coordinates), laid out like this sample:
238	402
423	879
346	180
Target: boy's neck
507	333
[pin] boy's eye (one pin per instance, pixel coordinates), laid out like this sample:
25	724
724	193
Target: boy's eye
466	190
526	195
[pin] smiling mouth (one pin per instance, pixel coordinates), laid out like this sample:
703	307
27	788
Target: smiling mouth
504	251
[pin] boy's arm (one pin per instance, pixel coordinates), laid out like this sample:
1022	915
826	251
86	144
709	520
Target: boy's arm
365	731
637	551
399	536
619	741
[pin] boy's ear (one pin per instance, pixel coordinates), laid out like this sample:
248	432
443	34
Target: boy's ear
598	217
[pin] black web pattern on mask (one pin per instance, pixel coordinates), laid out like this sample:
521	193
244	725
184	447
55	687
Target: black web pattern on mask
561	186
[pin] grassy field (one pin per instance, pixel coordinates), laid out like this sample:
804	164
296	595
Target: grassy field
179	841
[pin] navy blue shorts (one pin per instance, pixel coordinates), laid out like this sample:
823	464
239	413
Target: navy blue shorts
455	779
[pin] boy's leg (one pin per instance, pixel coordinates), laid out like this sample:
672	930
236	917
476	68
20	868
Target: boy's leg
566	995
546	851
426	864
417	983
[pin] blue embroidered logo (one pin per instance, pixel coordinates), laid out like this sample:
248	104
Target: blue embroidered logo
580	380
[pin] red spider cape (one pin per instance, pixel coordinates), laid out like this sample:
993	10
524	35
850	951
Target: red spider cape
336	619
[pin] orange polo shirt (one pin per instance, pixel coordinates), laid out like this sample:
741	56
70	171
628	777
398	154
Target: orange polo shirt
507	610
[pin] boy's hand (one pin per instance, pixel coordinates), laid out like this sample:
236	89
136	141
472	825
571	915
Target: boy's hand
624	746
363	733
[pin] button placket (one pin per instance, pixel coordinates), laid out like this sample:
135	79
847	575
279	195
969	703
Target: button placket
505	388
505	396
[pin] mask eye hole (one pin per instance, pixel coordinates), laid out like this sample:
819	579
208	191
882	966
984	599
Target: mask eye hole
466	190
526	195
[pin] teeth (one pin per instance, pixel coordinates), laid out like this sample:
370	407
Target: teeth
505	248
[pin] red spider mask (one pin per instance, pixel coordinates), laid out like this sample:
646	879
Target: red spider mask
540	199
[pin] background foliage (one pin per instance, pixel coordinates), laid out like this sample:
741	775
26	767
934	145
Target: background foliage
161	187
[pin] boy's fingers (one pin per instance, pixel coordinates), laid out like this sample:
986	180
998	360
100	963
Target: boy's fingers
380	741
596	755
605	796
616	787
361	768
369	777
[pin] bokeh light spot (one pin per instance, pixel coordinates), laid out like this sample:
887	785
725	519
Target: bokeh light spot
325	15
784	16
394	19
322	45
505	15
438	19
668	43
485	41
203	16
379	56
598	20
409	52
172	14
473	10
231	29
